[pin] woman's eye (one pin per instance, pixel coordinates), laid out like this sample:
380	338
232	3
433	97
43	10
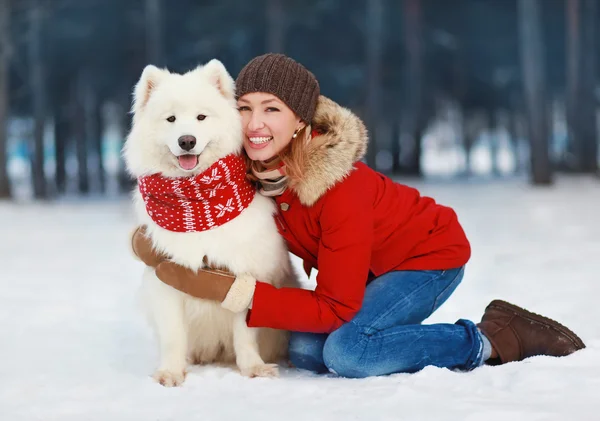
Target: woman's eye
243	108
272	109
201	117
171	119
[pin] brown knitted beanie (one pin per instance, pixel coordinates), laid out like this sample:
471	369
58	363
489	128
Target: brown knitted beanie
283	77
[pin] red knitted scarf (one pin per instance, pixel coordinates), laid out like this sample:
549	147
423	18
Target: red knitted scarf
199	203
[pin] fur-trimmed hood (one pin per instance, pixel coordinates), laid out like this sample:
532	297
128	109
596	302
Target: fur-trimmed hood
342	141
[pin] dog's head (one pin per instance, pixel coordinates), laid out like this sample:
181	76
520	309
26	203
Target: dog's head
182	123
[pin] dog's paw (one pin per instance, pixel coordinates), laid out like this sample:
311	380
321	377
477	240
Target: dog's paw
169	378
196	359
262	370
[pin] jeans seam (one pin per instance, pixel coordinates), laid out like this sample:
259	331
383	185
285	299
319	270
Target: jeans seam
368	328
380	334
461	270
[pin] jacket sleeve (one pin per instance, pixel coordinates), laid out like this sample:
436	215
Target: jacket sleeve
343	263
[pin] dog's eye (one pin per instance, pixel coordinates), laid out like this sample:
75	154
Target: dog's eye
201	117
171	119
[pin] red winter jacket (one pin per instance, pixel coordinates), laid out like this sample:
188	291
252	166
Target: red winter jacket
352	224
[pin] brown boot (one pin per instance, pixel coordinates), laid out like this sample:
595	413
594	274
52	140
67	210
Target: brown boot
516	334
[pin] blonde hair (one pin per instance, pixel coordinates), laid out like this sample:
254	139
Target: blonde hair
294	157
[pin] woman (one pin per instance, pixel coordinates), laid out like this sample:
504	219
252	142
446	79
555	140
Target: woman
387	257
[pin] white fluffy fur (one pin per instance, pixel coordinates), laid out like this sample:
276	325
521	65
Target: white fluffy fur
190	329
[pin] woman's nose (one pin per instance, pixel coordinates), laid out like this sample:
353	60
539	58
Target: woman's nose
255	123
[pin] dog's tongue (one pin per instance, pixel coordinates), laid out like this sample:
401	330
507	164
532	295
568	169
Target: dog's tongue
188	162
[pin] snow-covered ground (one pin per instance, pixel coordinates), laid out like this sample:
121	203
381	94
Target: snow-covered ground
74	347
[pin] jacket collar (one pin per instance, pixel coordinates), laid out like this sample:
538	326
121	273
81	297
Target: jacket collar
342	141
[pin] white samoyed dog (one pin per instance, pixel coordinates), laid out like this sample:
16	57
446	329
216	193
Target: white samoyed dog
166	108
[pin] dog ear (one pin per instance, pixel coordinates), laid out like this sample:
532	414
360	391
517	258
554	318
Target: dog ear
220	78
151	77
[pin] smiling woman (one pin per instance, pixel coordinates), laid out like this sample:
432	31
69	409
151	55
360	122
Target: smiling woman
268	124
269	128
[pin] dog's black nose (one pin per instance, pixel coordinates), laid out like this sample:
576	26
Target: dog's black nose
187	142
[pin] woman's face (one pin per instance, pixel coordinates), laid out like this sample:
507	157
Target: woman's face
268	125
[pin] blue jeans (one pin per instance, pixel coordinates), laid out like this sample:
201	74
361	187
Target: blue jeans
386	336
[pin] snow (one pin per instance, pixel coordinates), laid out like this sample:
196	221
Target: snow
75	347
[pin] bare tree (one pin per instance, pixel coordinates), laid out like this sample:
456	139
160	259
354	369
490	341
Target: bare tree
93	130
61	134
38	92
573	41
532	57
79	125
4	86
411	149
374	56
582	149
589	128
126	182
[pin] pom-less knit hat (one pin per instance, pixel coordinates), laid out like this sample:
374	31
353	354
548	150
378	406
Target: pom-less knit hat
283	77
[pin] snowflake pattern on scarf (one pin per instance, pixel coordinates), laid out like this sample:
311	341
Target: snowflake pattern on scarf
199	203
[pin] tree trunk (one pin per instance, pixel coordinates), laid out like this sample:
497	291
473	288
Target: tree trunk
573	152
513	135
38	93
5	191
395	149
532	58
582	148
154	33
275	26
460	91
93	131
373	56
588	123
414	86
79	134
467	142
494	146
61	134
126	182
514	119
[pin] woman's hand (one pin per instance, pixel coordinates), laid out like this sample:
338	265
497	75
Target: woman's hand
143	249
205	283
234	293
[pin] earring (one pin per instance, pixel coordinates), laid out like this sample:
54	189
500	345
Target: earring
295	135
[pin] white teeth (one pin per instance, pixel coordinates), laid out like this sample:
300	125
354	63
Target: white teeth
259	140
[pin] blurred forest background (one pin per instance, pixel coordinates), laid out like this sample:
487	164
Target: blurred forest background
448	88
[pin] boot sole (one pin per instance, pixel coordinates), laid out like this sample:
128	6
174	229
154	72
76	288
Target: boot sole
503	305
